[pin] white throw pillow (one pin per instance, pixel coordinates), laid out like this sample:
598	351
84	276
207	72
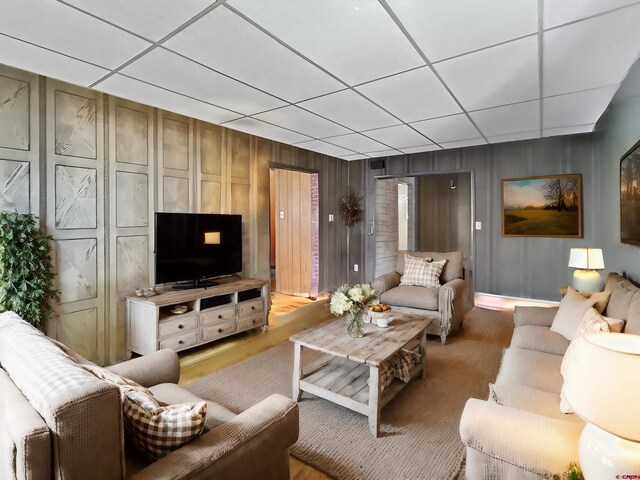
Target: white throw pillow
421	271
572	308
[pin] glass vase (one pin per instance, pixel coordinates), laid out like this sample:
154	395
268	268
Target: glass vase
355	324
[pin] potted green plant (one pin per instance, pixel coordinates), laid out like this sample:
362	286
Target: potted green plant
26	271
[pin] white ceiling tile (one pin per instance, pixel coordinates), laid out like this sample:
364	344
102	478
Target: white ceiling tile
576	108
324	147
383	153
165	69
152	19
300	120
63	29
357	156
443	29
590	54
447	129
351	110
412	96
265	130
552	132
131	89
512	137
424	148
35	59
354	39
558	13
520	117
399	136
497	76
246	53
356	142
464	143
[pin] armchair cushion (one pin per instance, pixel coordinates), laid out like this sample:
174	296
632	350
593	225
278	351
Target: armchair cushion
411	296
421	272
453	268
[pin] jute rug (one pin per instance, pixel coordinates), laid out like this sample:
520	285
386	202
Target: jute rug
419	437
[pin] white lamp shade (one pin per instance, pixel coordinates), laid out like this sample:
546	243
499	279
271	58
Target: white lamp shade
212	238
586	258
602	382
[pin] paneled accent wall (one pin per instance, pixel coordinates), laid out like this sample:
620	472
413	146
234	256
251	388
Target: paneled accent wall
75	215
19	141
211	168
175	163
132	189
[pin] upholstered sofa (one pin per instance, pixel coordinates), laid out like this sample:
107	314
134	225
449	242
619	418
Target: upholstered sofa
59	421
445	304
520	432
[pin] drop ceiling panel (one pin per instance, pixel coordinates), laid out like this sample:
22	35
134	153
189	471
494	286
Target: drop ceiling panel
152	19
131	89
166	69
63	29
247	54
447	28
590	54
576	108
412	96
357	156
497	76
521	117
399	136
512	137
464	143
424	148
384	153
45	62
447	129
356	142
558	13
354	39
324	147
300	120
262	129
351	110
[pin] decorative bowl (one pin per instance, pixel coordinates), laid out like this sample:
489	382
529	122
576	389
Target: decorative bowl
179	309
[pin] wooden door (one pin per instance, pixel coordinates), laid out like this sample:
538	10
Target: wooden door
293	231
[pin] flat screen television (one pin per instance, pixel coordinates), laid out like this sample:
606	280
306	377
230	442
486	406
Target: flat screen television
195	247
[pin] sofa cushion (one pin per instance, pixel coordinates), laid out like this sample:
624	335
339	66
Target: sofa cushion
613	281
453	268
632	324
592	322
530	368
171	393
622	295
424	298
541	339
572	309
530	400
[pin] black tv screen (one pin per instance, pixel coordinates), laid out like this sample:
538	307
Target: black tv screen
196	246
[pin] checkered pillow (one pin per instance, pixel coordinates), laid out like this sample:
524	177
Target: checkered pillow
422	271
156	429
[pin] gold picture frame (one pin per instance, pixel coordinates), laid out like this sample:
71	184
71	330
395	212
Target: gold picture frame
544	206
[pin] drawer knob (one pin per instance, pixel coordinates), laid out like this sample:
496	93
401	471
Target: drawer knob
253	307
180	326
220	316
180	342
219	330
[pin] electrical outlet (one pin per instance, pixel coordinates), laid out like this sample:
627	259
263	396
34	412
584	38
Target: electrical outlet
281	214
478	225
355	267
331	217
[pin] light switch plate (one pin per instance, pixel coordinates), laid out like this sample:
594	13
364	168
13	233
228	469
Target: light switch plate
331	217
478	225
281	214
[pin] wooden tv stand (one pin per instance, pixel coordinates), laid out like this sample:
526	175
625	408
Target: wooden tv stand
234	306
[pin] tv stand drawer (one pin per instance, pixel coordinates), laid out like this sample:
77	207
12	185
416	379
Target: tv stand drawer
250	308
246	323
178	342
179	325
219	315
218	330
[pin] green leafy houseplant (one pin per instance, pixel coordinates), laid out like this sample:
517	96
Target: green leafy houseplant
573	472
26	271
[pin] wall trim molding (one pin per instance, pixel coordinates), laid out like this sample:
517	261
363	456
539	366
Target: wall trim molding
491	301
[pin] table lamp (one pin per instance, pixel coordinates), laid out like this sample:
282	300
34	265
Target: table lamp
602	384
587	261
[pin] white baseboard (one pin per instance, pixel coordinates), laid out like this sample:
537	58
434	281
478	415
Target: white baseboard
504	302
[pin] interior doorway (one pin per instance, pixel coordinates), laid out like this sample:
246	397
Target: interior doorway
294	236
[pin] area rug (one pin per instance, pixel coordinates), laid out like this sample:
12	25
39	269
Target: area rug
419	432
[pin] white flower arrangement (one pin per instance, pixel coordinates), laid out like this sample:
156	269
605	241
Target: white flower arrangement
353	299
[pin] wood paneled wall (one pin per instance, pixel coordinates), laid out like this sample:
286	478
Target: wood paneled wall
95	168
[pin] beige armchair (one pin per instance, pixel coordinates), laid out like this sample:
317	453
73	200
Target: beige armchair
445	304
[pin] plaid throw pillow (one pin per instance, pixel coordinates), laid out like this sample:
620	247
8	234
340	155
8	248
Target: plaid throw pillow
422	272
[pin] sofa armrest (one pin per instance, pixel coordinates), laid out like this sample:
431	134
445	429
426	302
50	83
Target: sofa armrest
532	442
240	448
538	316
155	368
386	282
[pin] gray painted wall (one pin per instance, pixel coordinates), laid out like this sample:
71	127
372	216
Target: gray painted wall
537	267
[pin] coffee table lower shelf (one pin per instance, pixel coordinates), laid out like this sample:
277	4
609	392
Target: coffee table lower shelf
348	383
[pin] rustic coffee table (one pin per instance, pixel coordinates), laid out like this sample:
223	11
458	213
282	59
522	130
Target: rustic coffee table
349	373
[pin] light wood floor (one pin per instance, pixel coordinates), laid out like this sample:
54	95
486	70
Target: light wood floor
288	315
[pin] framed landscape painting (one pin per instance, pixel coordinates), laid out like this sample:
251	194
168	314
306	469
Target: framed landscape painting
549	206
630	196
